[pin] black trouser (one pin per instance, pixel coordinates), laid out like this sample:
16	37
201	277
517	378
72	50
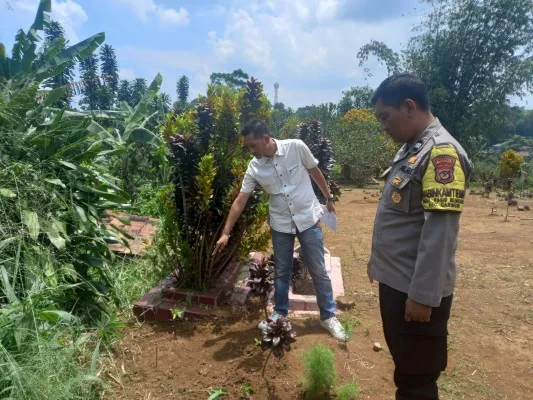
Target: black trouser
419	349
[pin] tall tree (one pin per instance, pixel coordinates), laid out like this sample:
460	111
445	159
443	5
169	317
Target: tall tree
182	89
278	117
91	83
311	134
472	55
139	88
254	103
162	103
55	35
109	70
21	43
236	79
355	97
125	92
326	113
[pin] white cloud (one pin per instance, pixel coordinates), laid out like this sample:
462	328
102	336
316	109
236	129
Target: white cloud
146	8
243	32
172	17
223	48
68	13
304	42
126	73
148	58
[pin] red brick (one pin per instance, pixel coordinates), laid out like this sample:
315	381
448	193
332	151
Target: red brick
196	313
309	306
228	277
211	298
297	305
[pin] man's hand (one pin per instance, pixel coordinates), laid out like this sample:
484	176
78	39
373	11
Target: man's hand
221	243
368	272
330	206
416	312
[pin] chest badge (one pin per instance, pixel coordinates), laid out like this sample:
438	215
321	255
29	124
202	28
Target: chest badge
397	181
444	169
396	198
412	160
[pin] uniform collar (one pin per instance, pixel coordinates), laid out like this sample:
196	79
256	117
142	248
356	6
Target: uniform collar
415	145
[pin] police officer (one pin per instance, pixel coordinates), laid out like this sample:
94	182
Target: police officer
415	235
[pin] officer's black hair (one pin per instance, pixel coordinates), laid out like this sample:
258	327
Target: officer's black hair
255	127
397	88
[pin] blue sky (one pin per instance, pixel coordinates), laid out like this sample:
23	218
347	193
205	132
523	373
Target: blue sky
308	46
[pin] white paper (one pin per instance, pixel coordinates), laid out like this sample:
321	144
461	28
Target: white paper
329	219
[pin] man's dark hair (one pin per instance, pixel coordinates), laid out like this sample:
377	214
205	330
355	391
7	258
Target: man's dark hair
255	127
397	88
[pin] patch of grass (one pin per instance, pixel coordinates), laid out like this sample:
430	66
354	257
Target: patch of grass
50	368
351	320
456	384
247	390
132	277
350	391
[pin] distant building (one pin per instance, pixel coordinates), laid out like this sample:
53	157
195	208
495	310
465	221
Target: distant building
497	149
525	151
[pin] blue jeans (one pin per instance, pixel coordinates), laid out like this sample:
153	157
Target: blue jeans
312	247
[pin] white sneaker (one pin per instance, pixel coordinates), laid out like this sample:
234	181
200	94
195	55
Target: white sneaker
263	324
335	328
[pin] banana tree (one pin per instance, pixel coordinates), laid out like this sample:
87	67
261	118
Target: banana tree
27	64
128	131
52	194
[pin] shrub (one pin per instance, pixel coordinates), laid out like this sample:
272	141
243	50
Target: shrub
509	164
361	147
209	164
320	373
320	146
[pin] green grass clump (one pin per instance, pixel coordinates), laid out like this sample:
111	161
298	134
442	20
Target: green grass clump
350	391
320	374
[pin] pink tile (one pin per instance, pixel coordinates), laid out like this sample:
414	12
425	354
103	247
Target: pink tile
258	258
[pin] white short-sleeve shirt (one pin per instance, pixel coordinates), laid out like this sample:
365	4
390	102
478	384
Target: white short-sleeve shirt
285	177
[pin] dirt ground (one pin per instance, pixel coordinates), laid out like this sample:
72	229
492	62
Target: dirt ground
491	329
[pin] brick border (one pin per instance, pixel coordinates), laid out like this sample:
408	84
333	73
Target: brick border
158	302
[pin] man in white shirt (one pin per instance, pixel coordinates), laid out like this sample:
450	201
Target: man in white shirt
283	168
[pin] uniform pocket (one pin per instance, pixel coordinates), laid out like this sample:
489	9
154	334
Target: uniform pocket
296	173
398	194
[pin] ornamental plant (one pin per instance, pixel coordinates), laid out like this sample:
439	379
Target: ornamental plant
209	164
311	134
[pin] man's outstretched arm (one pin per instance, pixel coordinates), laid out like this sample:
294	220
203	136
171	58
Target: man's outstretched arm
235	212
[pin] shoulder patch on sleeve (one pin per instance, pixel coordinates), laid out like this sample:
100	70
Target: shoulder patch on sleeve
444	183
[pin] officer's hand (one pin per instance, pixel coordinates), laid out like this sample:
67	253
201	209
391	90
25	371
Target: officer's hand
330	206
221	243
368	272
416	312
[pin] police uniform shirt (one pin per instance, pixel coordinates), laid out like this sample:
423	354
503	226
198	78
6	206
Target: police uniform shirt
417	222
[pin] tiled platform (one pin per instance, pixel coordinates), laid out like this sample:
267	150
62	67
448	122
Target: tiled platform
299	303
142	229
